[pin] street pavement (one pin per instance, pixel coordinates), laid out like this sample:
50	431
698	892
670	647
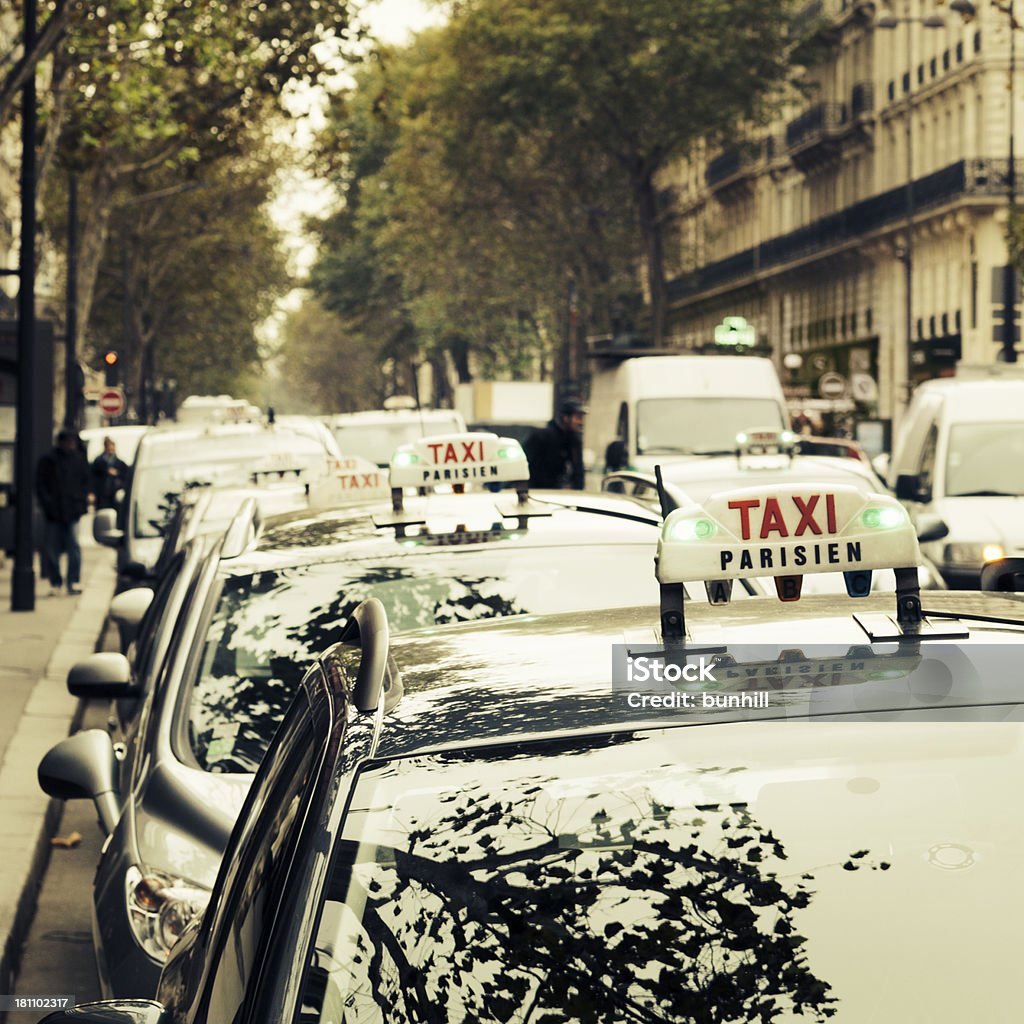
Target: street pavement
37	649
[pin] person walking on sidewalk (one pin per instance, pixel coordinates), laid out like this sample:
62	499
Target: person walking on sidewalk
62	487
109	475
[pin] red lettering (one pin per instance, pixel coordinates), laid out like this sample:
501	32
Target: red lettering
434	448
830	512
772	519
745	506
369	479
806	510
450	454
467	451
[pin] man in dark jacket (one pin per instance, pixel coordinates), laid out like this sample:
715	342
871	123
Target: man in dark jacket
555	453
109	475
62	487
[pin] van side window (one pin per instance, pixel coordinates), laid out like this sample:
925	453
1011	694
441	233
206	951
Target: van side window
926	473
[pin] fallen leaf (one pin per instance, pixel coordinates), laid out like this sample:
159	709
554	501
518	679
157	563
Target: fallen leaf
68	841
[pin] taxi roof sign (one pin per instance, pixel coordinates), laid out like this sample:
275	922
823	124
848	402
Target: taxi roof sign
757	441
736	332
791	530
459	459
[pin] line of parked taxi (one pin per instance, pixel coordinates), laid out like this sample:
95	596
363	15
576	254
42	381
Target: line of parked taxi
381	757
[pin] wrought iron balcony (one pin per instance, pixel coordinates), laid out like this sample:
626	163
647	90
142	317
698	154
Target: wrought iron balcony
980	177
814	135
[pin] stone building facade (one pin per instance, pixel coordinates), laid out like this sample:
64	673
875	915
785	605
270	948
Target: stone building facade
802	227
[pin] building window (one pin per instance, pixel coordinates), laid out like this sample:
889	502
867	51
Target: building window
956	321
920	328
906	81
945	60
959	53
977	42
892	90
867	319
853	323
920	74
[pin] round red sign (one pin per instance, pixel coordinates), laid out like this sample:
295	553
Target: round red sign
111	402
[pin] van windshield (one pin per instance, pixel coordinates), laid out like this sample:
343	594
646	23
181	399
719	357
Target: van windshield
699	426
985	459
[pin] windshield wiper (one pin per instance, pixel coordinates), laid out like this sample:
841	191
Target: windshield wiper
1000	619
985	494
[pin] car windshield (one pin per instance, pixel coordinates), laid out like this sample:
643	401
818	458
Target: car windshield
158	486
668	876
985	459
268	627
691	426
378	441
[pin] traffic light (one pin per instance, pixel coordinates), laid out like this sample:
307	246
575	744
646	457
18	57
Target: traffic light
111	368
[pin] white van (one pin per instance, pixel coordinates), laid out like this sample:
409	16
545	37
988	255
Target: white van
664	408
960	456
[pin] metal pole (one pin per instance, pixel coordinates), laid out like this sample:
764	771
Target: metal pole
72	397
1009	353
908	256
23	580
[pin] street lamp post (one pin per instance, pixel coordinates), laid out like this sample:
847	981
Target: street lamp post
890	21
967	10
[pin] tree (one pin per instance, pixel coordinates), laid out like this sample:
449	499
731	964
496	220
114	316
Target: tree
144	92
320	366
447	250
627	85
195	271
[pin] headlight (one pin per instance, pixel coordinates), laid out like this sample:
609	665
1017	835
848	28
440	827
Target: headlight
972	555
160	907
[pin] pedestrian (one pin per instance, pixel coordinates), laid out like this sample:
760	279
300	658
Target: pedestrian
62	487
555	453
109	475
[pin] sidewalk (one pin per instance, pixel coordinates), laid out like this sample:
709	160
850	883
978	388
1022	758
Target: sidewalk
36	711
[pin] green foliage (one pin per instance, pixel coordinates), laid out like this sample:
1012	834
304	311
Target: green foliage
200	267
321	368
518	146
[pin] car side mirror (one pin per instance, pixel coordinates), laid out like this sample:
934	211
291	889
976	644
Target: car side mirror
1004	574
105	530
909	488
105	674
127	610
84	766
930	527
124	1011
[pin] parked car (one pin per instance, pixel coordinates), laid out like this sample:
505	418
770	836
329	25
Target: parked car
960	458
494	820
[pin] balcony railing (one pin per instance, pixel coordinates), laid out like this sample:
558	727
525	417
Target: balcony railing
817	121
723	166
967	177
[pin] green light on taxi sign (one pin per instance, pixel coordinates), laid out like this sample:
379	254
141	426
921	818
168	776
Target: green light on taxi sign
693	529
735	332
406	458
882	518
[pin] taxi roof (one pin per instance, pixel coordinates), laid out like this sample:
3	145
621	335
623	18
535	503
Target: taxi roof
537	676
348	531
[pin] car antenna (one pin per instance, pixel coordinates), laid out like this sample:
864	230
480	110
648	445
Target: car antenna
667	503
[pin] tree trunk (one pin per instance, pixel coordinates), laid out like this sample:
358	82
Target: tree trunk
97	201
650	226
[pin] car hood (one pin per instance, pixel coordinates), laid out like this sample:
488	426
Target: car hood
185	818
984	519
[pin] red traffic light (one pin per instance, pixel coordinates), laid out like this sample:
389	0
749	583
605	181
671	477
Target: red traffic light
110	358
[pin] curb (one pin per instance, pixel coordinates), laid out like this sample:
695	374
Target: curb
30	817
